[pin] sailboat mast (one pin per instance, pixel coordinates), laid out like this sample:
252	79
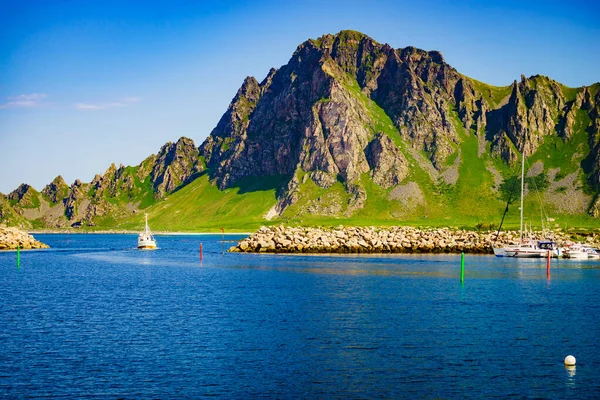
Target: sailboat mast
146	222
522	192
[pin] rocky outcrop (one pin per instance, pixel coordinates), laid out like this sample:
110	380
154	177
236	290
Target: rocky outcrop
56	190
25	196
117	192
176	164
416	89
11	238
388	165
227	140
594	210
594	132
71	202
394	239
529	116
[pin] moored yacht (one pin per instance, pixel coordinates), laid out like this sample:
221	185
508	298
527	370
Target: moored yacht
525	250
593	254
578	251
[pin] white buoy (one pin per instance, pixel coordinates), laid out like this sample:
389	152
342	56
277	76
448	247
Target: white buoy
570	360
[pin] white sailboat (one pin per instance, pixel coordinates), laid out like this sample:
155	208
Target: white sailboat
523	249
145	239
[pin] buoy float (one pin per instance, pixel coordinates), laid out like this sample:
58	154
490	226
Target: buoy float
570	360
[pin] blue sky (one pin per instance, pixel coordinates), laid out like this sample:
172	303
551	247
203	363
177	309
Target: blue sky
87	83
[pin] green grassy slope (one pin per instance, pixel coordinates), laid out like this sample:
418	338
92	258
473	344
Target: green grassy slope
201	207
494	95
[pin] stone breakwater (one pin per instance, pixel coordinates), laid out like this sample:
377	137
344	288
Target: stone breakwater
394	239
11	238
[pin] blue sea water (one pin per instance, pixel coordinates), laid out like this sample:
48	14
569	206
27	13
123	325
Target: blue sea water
94	318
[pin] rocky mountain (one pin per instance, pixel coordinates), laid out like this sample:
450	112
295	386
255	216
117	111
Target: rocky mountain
355	130
345	105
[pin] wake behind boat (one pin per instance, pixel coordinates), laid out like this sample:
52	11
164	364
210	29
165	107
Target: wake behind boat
145	240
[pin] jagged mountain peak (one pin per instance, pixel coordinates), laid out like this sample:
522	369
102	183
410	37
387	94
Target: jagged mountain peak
21	191
56	190
342	38
176	163
250	89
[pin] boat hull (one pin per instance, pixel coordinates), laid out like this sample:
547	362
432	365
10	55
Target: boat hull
499	251
147	247
146	244
576	255
526	253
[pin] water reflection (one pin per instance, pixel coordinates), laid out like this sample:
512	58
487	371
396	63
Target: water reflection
571	371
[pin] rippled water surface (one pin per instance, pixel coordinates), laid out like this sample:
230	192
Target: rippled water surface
93	317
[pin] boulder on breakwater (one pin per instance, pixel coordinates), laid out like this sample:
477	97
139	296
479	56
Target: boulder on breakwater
393	239
11	238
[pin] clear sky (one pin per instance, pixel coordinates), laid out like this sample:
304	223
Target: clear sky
87	83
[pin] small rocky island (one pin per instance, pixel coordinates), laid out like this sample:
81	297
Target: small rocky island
11	238
392	239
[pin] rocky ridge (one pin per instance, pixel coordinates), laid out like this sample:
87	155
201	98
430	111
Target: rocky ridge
119	191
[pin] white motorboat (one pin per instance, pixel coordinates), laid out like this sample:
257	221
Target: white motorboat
593	254
525	250
145	239
581	252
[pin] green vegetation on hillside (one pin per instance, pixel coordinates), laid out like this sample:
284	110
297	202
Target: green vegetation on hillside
569	93
494	95
202	207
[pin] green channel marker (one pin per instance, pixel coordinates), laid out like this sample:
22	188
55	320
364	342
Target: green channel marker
18	257
462	267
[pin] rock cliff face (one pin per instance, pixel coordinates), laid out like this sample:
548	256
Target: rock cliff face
56	190
316	112
593	105
532	113
388	165
176	164
24	195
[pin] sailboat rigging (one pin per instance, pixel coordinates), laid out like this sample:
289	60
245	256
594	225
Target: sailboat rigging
527	249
